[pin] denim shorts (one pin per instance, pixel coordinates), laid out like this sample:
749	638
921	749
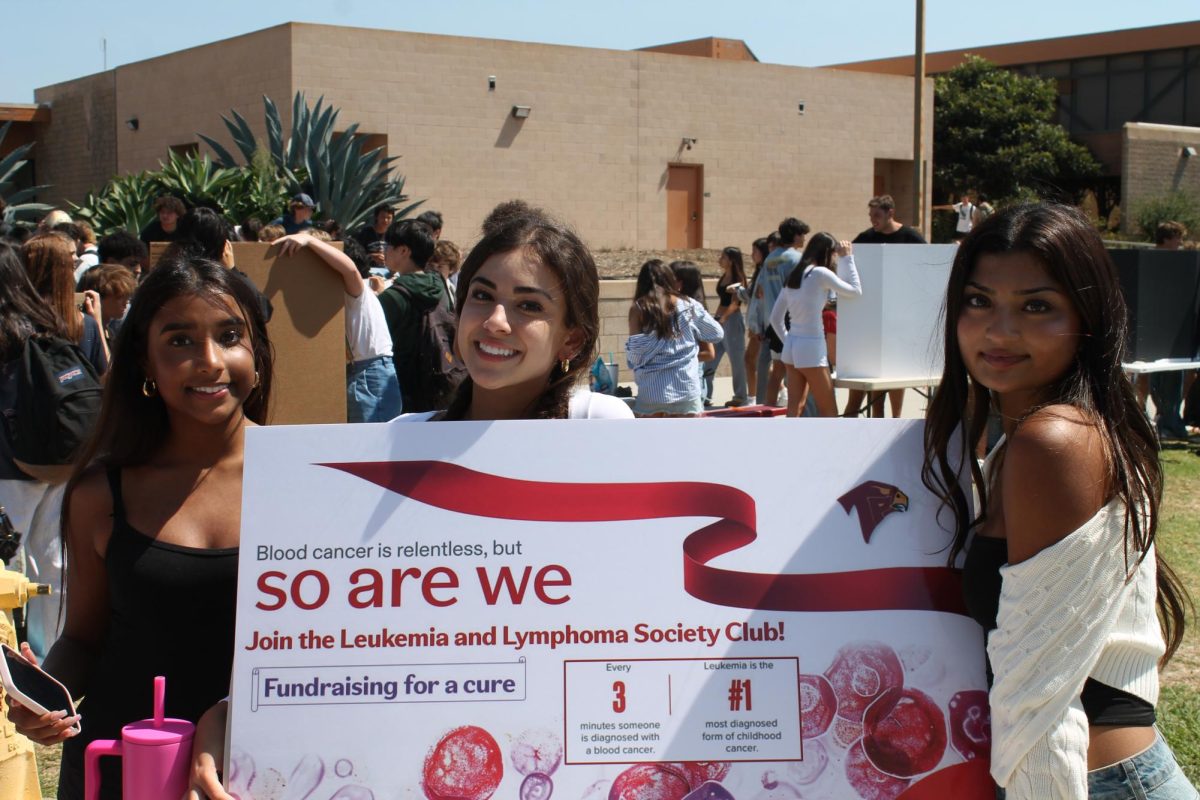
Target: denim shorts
1152	774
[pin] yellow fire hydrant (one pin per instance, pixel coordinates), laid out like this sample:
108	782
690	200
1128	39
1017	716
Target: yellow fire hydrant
18	765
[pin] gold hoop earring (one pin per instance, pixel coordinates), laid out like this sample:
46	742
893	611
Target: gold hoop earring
565	365
149	388
257	380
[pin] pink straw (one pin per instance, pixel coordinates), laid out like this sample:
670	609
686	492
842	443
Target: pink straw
160	700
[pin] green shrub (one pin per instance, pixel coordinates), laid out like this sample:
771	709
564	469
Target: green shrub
1177	206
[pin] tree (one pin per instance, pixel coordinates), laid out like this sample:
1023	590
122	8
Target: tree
994	131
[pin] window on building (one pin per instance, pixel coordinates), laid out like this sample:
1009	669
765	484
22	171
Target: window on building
186	149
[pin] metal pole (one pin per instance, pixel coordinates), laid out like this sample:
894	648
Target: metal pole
918	221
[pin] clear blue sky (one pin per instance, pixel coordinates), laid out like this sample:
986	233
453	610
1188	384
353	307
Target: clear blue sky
48	41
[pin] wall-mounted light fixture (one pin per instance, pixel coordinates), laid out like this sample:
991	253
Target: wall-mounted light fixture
521	112
491	83
800	107
688	141
132	123
1187	152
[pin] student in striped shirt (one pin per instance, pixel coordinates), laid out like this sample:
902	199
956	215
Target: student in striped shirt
669	336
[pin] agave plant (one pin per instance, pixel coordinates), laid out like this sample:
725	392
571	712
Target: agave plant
15	204
346	182
126	201
196	180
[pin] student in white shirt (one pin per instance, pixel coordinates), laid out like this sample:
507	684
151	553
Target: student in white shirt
372	390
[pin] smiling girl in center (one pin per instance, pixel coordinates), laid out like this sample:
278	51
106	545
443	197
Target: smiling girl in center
528	321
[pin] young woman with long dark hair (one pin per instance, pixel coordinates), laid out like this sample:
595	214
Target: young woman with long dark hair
528	322
152	515
802	299
729	314
1061	567
50	262
669	335
757	317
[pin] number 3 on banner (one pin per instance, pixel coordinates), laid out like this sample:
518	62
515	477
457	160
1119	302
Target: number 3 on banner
619	696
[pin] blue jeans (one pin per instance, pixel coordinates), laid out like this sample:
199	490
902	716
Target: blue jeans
1152	774
1166	389
372	390
734	343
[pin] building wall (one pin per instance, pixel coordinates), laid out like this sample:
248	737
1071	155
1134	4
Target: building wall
604	126
173	97
77	150
182	93
1154	164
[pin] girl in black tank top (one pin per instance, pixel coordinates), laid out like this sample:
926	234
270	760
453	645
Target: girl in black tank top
151	520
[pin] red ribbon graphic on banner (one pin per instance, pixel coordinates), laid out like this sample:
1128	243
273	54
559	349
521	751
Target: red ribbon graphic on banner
465	491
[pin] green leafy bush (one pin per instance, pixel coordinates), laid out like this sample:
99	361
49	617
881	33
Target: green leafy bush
16	204
1181	207
126	202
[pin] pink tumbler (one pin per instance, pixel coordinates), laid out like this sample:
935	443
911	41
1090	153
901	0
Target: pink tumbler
157	753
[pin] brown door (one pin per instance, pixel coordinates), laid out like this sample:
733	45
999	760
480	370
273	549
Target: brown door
685	223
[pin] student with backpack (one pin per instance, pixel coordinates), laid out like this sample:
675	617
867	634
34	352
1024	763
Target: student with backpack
420	319
43	377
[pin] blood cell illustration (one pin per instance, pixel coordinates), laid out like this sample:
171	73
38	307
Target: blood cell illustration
710	790
536	750
465	764
971	724
845	732
697	772
536	786
860	672
816	759
818	705
353	793
307	773
904	733
775	789
869	782
649	782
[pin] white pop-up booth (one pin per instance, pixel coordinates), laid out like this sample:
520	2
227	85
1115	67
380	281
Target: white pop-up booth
893	332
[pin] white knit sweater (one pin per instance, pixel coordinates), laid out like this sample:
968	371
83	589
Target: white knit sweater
1065	615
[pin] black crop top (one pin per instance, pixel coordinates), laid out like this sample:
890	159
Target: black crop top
1103	704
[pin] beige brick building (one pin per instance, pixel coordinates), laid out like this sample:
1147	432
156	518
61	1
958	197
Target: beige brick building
641	149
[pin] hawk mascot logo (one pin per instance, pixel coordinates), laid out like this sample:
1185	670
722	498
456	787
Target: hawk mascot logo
874	501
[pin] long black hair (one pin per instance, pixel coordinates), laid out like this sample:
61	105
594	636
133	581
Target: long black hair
23	312
132	426
1074	256
737	266
516	225
691	282
817	253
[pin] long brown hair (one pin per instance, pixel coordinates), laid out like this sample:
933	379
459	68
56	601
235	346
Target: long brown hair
515	225
1074	256
654	298
22	312
50	261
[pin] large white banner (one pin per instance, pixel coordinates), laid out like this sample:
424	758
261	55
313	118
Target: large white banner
645	610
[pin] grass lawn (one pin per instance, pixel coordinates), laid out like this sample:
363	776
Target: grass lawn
1179	542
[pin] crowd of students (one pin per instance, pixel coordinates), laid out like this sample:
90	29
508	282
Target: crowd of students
1060	559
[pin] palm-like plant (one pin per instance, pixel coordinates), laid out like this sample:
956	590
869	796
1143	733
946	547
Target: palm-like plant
126	201
196	180
346	182
16	204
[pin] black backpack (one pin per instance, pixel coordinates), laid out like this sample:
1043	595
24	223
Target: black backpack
429	383
58	403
